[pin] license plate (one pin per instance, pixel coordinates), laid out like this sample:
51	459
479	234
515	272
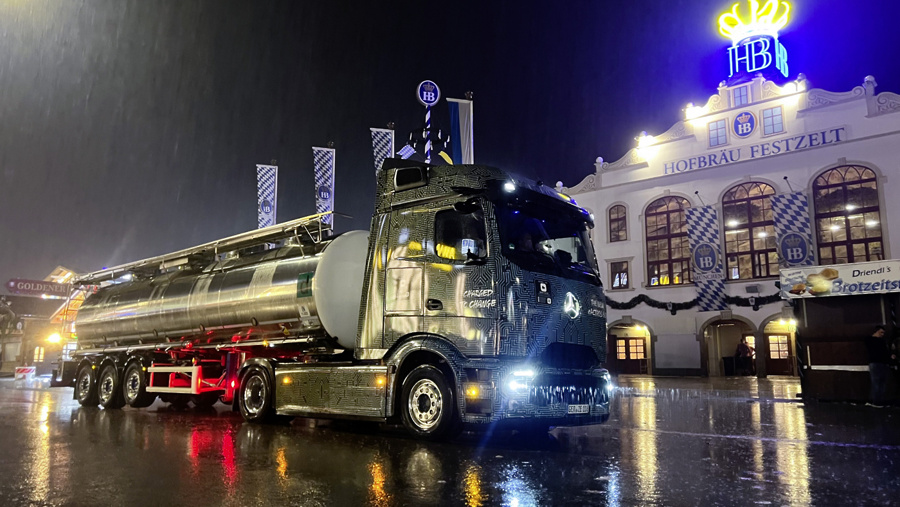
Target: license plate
579	409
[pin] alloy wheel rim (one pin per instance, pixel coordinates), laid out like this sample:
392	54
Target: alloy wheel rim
254	395
132	386
106	388
84	385
425	404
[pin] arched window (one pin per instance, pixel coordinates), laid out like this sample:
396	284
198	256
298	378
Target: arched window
668	253
848	219
617	226
749	232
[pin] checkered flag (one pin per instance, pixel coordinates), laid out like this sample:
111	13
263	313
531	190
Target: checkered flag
790	213
706	257
266	194
382	145
323	158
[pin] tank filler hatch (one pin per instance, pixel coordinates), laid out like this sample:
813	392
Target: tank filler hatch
309	230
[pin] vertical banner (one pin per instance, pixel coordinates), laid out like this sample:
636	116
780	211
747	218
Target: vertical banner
382	145
706	257
793	231
462	151
323	158
266	194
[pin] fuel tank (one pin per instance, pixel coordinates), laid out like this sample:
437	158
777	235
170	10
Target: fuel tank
319	293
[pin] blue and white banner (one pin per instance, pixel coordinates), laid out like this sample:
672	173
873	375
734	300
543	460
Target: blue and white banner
793	231
382	145
323	158
266	194
706	257
406	151
462	138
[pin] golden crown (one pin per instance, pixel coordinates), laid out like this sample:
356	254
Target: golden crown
765	20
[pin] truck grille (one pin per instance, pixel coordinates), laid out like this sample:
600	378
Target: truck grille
556	389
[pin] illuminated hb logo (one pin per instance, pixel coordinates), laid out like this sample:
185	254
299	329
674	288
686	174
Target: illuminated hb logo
794	248
754	40
705	257
428	93
744	124
571	306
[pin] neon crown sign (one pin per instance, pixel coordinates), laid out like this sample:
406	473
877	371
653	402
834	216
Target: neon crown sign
754	40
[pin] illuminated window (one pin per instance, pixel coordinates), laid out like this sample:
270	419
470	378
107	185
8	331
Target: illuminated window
617	225
39	354
717	135
772	122
749	232
848	218
621	351
668	252
751	341
778	347
636	348
459	236
619	274
741	96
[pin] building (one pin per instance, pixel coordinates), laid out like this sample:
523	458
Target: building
694	224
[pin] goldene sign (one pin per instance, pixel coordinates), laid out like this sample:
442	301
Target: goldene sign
877	277
37	288
802	142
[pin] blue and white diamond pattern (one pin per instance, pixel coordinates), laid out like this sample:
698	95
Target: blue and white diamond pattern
791	214
703	227
266	194
323	159
382	145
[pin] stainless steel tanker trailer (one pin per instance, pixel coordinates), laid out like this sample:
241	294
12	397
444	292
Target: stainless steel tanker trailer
474	299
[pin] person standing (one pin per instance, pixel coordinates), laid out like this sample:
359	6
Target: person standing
879	365
744	354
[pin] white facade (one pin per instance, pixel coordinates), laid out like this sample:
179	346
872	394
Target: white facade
820	131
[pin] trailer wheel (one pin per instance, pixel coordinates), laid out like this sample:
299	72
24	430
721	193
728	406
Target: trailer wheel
86	387
427	404
109	388
255	399
134	387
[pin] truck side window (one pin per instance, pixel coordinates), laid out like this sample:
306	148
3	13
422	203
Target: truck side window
459	236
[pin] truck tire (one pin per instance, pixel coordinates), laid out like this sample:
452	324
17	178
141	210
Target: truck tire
255	400
427	404
86	387
109	388
134	386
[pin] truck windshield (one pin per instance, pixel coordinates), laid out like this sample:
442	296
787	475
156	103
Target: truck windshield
547	240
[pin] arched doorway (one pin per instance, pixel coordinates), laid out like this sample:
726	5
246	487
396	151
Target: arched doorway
780	354
628	349
722	338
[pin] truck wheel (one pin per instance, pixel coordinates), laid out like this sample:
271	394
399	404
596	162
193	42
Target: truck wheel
255	396
109	388
134	387
86	387
427	404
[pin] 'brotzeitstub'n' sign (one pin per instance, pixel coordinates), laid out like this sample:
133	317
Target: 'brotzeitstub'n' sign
876	277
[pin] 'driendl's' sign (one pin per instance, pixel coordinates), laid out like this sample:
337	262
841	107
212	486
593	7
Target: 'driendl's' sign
37	287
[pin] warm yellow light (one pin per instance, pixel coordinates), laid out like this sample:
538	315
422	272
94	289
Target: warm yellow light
472	392
762	21
380	381
54	338
286	380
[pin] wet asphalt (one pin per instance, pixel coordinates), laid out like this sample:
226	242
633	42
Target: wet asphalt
738	441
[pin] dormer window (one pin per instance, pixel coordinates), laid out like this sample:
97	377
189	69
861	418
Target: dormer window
741	96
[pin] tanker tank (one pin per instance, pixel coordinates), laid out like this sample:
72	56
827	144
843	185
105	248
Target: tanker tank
315	293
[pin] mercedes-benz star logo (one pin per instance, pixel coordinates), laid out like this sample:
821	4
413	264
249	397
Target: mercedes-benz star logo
571	307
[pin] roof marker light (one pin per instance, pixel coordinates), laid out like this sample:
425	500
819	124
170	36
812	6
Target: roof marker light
509	186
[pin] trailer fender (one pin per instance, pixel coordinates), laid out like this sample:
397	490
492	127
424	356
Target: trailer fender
266	363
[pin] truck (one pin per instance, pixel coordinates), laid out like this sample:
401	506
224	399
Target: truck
473	300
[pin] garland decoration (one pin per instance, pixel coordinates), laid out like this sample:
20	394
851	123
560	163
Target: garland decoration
754	302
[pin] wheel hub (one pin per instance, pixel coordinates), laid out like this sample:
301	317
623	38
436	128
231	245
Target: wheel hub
254	395
106	388
425	404
132	385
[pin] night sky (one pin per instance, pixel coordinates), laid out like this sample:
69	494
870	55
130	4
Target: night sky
130	128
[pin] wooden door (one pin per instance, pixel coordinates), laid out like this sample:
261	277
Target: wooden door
779	358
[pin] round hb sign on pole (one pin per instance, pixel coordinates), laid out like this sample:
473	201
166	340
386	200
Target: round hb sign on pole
428	93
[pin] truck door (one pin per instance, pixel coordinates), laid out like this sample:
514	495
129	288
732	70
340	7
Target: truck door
403	297
460	300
